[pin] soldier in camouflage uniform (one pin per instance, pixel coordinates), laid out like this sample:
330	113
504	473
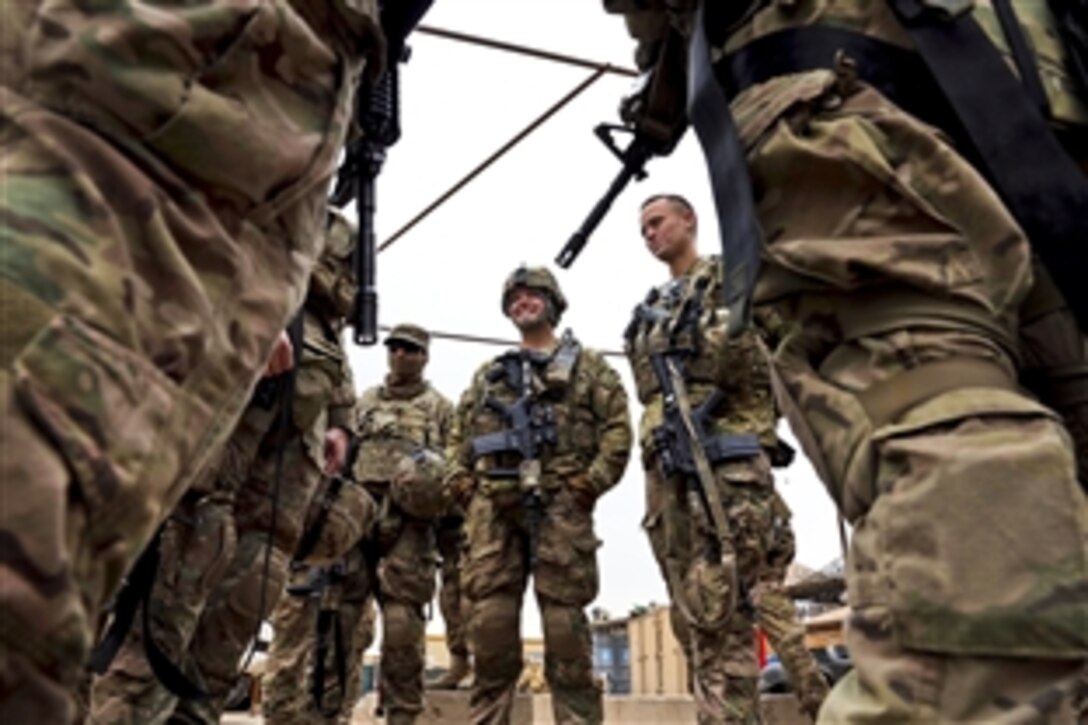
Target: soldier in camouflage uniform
681	320
777	616
534	515
165	170
206	533
394	560
889	296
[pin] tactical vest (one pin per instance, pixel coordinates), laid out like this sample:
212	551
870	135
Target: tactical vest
562	383
684	318
389	428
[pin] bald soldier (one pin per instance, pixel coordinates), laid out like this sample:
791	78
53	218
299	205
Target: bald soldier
680	355
539	435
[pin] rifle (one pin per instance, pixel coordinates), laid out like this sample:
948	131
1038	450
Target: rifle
323	584
654	116
377	113
530	427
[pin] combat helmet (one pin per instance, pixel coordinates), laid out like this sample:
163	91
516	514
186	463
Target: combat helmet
416	488
535	278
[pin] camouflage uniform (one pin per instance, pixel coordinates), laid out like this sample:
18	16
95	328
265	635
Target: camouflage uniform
718	640
199	540
593	440
153	252
778	618
399	567
893	269
289	670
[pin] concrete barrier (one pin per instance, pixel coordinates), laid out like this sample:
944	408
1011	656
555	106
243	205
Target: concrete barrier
447	708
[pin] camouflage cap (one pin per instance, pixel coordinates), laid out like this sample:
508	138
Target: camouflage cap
411	334
535	278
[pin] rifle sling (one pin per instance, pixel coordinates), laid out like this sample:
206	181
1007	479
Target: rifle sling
313	534
704	472
329	622
136	594
738	228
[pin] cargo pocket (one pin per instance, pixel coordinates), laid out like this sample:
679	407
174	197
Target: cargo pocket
125	430
408	579
977	542
566	559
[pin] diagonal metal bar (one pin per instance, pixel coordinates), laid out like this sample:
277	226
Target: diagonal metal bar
484	340
518	137
524	50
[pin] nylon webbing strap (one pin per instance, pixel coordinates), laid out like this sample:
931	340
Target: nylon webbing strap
313	534
1026	66
1014	146
133	592
329	623
708	110
887	401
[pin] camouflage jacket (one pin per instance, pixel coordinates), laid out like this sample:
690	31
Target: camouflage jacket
684	316
587	402
392	421
647	21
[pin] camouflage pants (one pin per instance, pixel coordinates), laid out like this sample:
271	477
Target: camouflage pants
450	535
718	641
777	618
565	580
970	529
124	346
251	589
198	543
288	678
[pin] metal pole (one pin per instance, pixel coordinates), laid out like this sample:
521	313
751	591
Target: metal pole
555	108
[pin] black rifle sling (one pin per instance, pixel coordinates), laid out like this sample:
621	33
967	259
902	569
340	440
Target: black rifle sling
283	427
313	534
708	110
133	592
329	624
136	594
1014	145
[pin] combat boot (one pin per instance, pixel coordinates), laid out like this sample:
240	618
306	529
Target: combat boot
459	670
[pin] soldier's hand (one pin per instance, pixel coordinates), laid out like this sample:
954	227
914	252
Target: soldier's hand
459	489
585	493
336	450
282	358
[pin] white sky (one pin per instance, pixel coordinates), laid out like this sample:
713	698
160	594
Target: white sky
459	104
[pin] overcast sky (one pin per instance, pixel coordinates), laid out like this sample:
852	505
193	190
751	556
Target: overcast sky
459	104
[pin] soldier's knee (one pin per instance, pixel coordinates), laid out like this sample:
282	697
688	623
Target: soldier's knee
402	624
494	629
565	631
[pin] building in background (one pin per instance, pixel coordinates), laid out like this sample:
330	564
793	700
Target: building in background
611	652
656	660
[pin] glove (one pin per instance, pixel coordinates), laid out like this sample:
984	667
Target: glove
583	490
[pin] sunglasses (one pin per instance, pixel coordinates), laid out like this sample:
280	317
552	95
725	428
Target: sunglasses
406	347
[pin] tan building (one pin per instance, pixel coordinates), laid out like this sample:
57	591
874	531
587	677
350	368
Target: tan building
657	662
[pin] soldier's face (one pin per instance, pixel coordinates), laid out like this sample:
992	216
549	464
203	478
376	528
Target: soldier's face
527	308
406	361
668	229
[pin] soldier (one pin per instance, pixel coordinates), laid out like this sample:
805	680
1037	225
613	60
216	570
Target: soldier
208	532
680	327
159	221
541	433
778	617
892	277
402	426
